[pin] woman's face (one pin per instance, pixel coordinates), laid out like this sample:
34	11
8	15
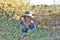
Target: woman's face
27	18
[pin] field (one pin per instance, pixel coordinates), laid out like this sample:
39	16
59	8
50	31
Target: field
9	31
45	15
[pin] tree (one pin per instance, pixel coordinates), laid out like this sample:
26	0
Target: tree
12	6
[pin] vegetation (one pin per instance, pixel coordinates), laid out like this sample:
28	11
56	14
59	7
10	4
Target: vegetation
11	32
10	14
13	8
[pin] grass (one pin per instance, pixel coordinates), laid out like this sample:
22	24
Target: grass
10	32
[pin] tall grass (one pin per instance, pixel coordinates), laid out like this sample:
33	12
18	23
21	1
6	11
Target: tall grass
9	31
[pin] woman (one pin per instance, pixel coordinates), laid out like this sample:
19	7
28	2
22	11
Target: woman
27	24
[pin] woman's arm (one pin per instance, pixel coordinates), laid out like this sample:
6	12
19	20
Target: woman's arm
20	23
33	26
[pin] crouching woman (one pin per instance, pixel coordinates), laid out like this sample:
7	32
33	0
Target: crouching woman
26	24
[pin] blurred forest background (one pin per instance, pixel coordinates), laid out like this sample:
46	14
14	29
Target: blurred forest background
47	19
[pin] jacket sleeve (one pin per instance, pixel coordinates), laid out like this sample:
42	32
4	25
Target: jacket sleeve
33	26
20	23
